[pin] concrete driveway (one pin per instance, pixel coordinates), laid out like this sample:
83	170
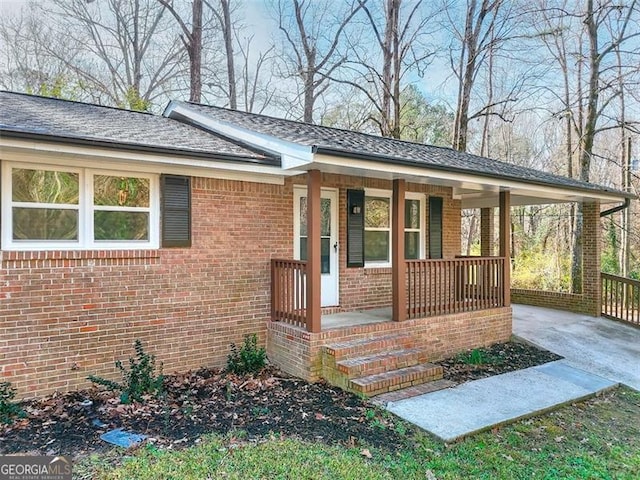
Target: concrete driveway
604	347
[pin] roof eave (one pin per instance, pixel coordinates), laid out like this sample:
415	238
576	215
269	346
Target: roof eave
85	141
319	149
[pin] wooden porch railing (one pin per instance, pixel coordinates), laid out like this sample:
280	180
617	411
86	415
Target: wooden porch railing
288	291
621	298
441	287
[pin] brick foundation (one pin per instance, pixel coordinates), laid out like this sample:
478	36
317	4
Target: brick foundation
300	353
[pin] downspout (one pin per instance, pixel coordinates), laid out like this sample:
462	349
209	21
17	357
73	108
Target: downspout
627	202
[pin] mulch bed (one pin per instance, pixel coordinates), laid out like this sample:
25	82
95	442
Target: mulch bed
500	358
212	401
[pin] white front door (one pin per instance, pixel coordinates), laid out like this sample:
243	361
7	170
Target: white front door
328	239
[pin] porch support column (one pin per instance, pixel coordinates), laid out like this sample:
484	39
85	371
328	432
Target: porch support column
505	244
486	232
398	266
591	249
314	278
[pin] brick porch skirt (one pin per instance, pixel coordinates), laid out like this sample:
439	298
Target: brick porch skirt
299	352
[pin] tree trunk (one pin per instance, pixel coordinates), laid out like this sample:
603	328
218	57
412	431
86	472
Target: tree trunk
195	54
228	46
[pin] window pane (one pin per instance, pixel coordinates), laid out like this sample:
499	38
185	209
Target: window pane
45	224
376	246
44	186
376	212
121	225
412	214
412	245
325	254
121	191
303	248
325	216
303	216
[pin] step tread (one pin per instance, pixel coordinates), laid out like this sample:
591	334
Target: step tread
355	361
397	376
413	391
373	344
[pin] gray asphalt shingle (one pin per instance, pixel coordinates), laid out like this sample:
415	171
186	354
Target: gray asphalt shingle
28	114
390	150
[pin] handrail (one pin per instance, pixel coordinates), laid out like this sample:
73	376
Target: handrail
440	287
621	298
288	291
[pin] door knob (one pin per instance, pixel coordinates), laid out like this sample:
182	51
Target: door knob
335	247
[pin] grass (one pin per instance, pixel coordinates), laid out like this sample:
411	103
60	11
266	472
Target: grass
597	439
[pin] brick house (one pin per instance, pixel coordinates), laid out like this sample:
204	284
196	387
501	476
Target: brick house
192	229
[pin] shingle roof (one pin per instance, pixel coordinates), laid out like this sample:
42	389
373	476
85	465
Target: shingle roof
361	145
55	119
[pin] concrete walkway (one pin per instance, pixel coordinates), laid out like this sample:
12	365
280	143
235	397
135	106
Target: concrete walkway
599	354
604	347
472	407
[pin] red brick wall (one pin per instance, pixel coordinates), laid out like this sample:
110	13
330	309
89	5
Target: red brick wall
67	314
300	353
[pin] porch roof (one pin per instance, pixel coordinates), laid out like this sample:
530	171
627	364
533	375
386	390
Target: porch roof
476	180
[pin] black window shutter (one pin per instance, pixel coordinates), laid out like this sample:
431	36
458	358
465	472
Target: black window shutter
435	227
176	211
355	228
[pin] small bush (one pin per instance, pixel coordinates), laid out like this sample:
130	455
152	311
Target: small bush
8	409
138	380
249	359
476	357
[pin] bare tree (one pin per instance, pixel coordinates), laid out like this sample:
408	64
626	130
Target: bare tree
312	32
401	35
223	14
26	65
191	38
488	26
128	52
256	91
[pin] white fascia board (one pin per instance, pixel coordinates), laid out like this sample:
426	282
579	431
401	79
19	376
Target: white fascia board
293	155
54	153
463	180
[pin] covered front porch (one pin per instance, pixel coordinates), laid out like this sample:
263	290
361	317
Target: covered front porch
420	288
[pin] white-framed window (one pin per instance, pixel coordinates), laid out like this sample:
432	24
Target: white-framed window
57	207
377	227
414	226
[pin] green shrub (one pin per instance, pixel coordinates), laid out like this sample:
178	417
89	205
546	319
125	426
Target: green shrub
476	357
249	359
8	409
138	380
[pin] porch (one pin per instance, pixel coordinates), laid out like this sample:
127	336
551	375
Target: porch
432	288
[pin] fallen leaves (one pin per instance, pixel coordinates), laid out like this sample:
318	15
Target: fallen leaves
197	403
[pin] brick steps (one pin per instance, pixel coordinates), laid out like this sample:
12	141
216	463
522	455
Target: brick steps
396	379
381	362
368	346
413	391
376	365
